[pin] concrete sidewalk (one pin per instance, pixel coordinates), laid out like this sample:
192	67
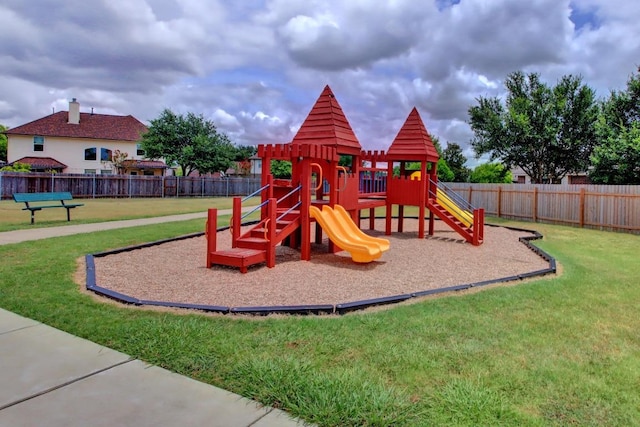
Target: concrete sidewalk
51	378
24	235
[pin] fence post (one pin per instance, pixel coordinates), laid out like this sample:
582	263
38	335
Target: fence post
201	186
499	201
470	194
177	187
130	177
582	197
93	192
535	204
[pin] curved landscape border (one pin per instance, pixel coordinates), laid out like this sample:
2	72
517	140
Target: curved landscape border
340	308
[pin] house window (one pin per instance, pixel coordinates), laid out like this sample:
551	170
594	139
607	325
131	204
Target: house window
38	143
106	172
148	173
90	171
90	154
139	150
134	173
105	155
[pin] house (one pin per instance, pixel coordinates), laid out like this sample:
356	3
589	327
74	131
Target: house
75	142
521	177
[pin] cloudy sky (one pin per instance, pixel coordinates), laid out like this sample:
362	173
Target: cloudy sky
255	67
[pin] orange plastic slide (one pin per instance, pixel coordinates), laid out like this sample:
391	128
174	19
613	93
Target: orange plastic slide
341	233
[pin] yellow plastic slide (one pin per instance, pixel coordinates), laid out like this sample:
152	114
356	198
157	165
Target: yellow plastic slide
445	201
336	227
355	231
461	215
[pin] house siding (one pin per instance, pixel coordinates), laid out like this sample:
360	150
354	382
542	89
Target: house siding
69	151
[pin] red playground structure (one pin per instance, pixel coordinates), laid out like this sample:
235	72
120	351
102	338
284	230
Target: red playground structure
332	197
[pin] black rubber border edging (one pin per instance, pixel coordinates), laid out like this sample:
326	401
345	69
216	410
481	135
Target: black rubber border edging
341	308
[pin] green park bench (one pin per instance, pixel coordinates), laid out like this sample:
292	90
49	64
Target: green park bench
38	201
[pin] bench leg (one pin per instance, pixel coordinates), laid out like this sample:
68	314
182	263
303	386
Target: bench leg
32	217
68	215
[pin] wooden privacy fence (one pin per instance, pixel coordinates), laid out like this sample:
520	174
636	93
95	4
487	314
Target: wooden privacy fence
605	207
95	186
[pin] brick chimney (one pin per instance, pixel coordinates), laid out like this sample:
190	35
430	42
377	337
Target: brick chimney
74	112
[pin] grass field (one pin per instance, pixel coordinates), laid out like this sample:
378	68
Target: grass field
12	217
558	351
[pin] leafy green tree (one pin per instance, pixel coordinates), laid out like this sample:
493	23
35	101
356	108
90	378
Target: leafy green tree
281	169
494	172
17	167
445	174
455	160
548	132
345	161
3	143
189	141
616	160
623	107
244	152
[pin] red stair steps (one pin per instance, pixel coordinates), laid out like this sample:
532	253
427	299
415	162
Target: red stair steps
238	257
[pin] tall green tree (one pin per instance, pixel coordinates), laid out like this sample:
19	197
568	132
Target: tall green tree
492	172
3	143
616	160
547	131
189	141
456	162
244	152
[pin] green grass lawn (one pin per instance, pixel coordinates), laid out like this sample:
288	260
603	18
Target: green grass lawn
555	351
12	217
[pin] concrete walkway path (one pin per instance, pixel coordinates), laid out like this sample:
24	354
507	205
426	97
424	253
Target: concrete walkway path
24	235
51	378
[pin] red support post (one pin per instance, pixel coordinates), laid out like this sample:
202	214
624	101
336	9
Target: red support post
211	233
271	233
236	220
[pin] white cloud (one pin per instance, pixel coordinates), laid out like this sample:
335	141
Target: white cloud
256	67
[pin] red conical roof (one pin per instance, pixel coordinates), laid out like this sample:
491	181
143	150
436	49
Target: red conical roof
413	142
326	124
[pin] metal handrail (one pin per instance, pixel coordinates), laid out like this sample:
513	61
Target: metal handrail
255	192
319	175
289	193
288	211
254	209
455	197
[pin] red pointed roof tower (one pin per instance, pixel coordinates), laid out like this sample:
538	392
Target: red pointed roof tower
413	142
326	124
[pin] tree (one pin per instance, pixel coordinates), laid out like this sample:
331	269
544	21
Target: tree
189	141
117	159
616	160
445	174
3	143
491	173
455	160
244	152
17	167
623	107
548	132
281	169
